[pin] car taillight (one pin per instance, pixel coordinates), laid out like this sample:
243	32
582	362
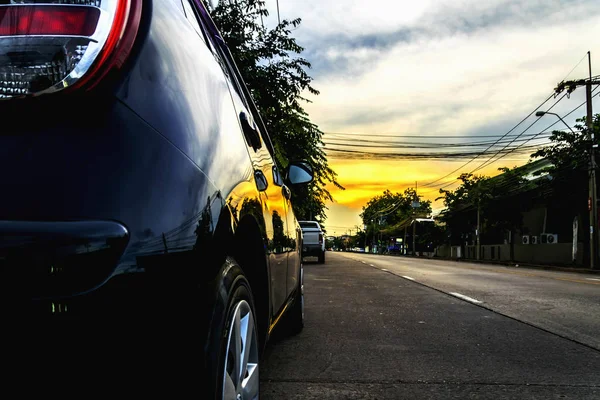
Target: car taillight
320	238
50	45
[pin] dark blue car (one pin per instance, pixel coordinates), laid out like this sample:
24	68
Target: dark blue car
146	234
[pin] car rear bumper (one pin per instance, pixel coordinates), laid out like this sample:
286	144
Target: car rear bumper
311	250
52	259
94	206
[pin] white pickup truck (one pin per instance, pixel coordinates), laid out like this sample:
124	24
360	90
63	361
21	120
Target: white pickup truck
313	242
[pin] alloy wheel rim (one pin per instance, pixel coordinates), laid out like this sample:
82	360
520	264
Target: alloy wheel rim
240	374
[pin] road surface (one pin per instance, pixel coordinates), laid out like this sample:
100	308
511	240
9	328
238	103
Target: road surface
373	334
564	303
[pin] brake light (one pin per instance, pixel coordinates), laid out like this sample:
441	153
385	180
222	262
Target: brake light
320	238
50	45
48	20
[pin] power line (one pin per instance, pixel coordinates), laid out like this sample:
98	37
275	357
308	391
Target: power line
575	67
491	159
413	145
467	163
570	112
356	136
503	136
514	179
420	155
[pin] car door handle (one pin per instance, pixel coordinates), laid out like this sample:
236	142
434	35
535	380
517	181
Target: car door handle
251	134
261	180
287	193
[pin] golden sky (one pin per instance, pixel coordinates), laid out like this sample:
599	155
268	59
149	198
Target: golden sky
364	179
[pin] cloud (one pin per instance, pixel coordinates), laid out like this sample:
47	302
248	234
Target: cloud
450	85
339	35
443	67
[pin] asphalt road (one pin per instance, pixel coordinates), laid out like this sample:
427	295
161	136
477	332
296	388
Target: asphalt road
566	304
372	334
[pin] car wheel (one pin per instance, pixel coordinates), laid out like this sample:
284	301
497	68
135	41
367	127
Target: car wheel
233	346
322	257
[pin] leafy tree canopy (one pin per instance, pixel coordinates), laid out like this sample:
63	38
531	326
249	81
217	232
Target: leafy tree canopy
392	208
569	151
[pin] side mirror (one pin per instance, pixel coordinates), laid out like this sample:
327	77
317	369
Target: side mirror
299	172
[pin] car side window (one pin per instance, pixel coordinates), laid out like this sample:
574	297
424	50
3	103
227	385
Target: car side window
230	67
277	179
192	17
203	23
224	58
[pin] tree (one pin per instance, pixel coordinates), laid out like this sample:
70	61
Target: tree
570	157
383	213
276	76
488	196
460	214
568	188
393	207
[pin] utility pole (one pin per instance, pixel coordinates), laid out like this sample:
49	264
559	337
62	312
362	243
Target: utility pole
477	232
593	189
593	196
414	236
415	204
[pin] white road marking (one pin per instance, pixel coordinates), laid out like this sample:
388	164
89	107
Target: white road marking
467	298
363	262
373	266
408	277
592	279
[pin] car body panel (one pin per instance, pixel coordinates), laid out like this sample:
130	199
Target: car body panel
161	153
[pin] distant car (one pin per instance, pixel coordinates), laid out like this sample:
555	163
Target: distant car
140	194
313	243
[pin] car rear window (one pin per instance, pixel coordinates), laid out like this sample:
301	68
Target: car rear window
309	225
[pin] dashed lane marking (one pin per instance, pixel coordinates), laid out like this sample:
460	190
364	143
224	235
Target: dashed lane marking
467	298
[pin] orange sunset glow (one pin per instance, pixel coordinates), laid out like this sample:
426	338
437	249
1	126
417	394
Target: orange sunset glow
364	179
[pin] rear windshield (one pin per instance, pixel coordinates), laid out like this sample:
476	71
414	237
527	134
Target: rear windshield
309	225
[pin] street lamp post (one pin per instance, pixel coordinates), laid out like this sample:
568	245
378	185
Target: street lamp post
591	185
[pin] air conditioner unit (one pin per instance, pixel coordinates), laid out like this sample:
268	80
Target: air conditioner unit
549	238
534	239
525	239
552	238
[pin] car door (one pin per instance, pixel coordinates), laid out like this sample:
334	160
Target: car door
272	193
294	241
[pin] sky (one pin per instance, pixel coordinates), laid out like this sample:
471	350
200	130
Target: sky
460	68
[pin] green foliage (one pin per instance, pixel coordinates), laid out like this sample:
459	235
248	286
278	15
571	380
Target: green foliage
339	243
569	153
389	209
502	200
489	195
475	189
277	77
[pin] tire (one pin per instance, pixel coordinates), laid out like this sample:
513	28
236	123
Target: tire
232	339
322	257
294	317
